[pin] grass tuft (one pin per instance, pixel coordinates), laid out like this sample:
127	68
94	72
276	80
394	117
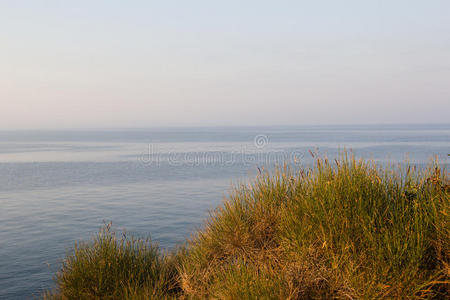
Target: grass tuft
111	267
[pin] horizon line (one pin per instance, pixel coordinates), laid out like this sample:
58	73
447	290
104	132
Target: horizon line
223	126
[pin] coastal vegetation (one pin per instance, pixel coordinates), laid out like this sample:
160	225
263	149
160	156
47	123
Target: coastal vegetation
345	229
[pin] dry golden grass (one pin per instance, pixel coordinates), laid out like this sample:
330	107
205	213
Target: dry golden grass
342	230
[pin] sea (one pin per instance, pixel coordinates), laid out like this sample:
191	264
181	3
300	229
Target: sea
61	186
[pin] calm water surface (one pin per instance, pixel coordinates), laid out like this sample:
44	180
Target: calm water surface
57	187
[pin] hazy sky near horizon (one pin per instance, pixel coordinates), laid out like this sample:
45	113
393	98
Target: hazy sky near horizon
87	64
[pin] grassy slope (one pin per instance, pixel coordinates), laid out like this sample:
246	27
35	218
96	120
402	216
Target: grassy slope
346	229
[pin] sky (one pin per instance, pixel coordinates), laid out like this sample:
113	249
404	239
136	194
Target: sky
100	64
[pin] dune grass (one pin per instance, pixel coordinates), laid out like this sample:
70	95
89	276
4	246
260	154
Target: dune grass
111	267
345	229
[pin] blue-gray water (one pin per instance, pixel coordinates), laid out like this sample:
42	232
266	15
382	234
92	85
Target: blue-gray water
57	187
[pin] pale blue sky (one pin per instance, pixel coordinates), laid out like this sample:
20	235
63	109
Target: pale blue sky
75	64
